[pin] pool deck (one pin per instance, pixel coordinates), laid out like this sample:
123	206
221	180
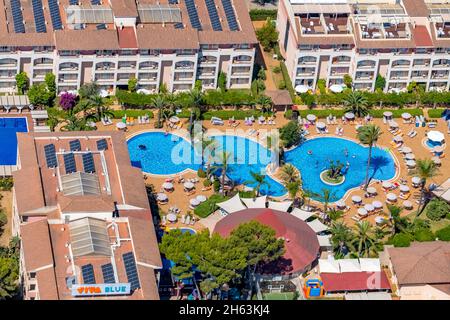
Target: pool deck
181	200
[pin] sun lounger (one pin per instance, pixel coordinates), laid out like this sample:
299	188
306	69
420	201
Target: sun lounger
217	121
188	220
163	220
356	218
183	219
413	134
404	196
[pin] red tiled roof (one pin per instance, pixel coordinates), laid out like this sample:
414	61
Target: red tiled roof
422	37
355	281
127	38
301	242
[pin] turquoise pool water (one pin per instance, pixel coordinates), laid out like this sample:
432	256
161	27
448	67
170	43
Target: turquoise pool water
8	139
169	154
326	149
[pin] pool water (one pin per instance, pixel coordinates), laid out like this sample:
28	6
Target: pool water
8	139
326	149
169	154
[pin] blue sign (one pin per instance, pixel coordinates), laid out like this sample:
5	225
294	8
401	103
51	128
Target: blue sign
105	289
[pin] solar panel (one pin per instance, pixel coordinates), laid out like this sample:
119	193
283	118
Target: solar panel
88	162
75	145
55	15
39	19
179	25
131	270
102	144
69	163
95	2
231	17
173	1
50	155
193	14
73	2
19	27
101	26
108	273
88	274
213	16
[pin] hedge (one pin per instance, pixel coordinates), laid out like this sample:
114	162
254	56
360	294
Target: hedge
118	114
209	206
227	114
232	97
376	113
443	234
287	80
435	113
262	14
134	100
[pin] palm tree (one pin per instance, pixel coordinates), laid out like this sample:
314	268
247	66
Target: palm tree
356	102
222	165
97	103
326	197
341	239
365	242
289	173
264	102
159	103
257	179
293	189
397	223
369	135
73	123
425	169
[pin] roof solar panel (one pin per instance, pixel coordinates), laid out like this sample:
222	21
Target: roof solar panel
213	16
193	14
231	16
54	14
75	145
69	163
101	26
88	162
173	1
95	2
17	15
73	2
38	13
108	273
179	25
131	270
50	155
88	274
102	144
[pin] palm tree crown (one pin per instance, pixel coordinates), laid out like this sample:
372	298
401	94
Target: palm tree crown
369	135
356	102
425	169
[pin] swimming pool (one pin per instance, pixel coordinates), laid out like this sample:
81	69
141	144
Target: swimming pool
170	154
8	139
328	148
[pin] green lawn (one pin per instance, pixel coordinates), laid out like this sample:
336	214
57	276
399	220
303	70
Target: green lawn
279	296
435	225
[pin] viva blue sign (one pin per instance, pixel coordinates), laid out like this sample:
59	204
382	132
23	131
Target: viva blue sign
105	289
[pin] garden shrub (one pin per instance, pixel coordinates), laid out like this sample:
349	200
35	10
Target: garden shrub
443	234
207	183
435	113
201	173
437	209
401	240
423	235
262	14
119	114
3	219
276	69
290	133
288	114
216	185
209	206
6	184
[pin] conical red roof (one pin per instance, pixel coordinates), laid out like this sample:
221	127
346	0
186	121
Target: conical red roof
268	218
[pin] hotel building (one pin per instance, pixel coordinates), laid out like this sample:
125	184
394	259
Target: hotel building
82	214
401	40
171	42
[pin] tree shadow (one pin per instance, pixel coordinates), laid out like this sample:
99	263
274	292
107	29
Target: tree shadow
376	164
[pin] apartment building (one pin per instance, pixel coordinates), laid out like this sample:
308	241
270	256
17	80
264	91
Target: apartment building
401	40
82	213
171	42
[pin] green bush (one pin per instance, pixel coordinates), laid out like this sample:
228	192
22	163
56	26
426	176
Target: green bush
321	85
435	113
201	173
209	206
287	80
207	183
227	114
216	185
423	235
443	234
119	114
447	216
247	194
401	240
3	219
281	85
262	14
6	184
290	133
437	209
276	69
134	100
288	114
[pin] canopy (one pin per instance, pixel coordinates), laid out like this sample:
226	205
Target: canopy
370	264
256	203
369	207
415	180
349	115
280	206
435	136
172	217
356	199
321	125
387	114
386	184
311	117
362	212
404	188
167	185
201	198
329	266
194	202
301	88
407	204
391	196
406	115
232	205
143	91
377	204
174	119
324	240
393	124
103	93
301	214
410	156
317	226
121	125
162	197
188	185
410	163
340	204
336	88
406	150
349	265
371	190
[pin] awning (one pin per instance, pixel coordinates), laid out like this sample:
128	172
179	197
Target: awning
280	206
370	264
301	214
324	241
317	226
349	265
435	136
368	296
317	7
329	266
232	205
256	203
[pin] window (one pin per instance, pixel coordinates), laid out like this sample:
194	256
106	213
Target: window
32	275
32	287
286	35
